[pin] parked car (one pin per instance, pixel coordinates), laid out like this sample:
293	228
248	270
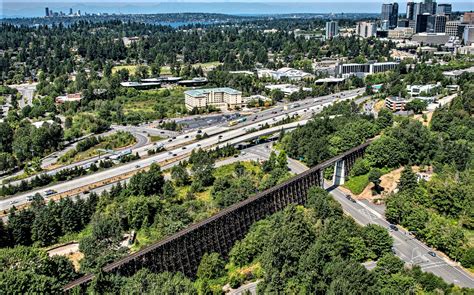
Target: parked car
431	253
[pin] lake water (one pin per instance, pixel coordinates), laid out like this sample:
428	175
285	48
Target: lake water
23	8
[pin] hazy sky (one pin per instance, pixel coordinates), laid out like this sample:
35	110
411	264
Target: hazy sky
222	1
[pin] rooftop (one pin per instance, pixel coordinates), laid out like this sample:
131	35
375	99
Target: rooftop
201	92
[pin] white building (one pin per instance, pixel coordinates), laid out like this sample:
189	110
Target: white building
289	73
287	89
366	29
347	70
417	90
69	97
332	29
400	33
222	98
468	35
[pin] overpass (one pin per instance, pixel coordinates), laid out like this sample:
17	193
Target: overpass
182	252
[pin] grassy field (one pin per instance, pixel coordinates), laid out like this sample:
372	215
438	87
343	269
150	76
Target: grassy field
131	69
155	138
114	141
146	102
357	184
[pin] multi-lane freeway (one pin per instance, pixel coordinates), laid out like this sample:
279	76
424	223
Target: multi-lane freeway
187	142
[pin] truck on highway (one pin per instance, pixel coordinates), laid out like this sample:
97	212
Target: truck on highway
235	122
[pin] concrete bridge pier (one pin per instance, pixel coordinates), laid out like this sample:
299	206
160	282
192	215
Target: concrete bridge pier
339	176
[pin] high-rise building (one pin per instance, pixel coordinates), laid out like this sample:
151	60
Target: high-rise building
454	28
403	23
366	29
436	24
468	35
422	22
78	12
440	23
46	11
444	9
390	14
427	6
332	29
411	10
70	11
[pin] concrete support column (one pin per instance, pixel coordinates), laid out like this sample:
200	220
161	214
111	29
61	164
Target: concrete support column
339	173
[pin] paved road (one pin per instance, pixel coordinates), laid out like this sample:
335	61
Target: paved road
408	248
228	135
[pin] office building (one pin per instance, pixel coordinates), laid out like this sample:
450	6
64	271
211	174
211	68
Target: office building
70	11
423	90
427	6
366	29
468	35
444	9
454	28
284	73
400	33
46	11
403	23
390	14
421	24
395	103
440	23
346	70
410	11
332	29
468	18
222	98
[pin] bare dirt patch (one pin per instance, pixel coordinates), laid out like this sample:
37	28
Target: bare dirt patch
389	182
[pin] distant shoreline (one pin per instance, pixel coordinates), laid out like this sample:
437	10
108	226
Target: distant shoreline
36	9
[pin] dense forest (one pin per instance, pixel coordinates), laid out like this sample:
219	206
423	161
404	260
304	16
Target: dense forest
440	210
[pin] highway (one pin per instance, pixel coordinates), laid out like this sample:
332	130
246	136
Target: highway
186	142
406	246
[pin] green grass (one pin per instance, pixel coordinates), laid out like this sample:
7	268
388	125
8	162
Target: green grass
131	68
114	141
155	138
357	184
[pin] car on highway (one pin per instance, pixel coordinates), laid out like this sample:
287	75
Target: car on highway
431	253
49	192
174	155
29	198
137	166
199	131
393	227
12	202
183	148
349	197
187	136
173	137
170	140
198	144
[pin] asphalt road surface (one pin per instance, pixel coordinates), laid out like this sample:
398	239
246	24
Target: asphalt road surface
236	134
406	247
